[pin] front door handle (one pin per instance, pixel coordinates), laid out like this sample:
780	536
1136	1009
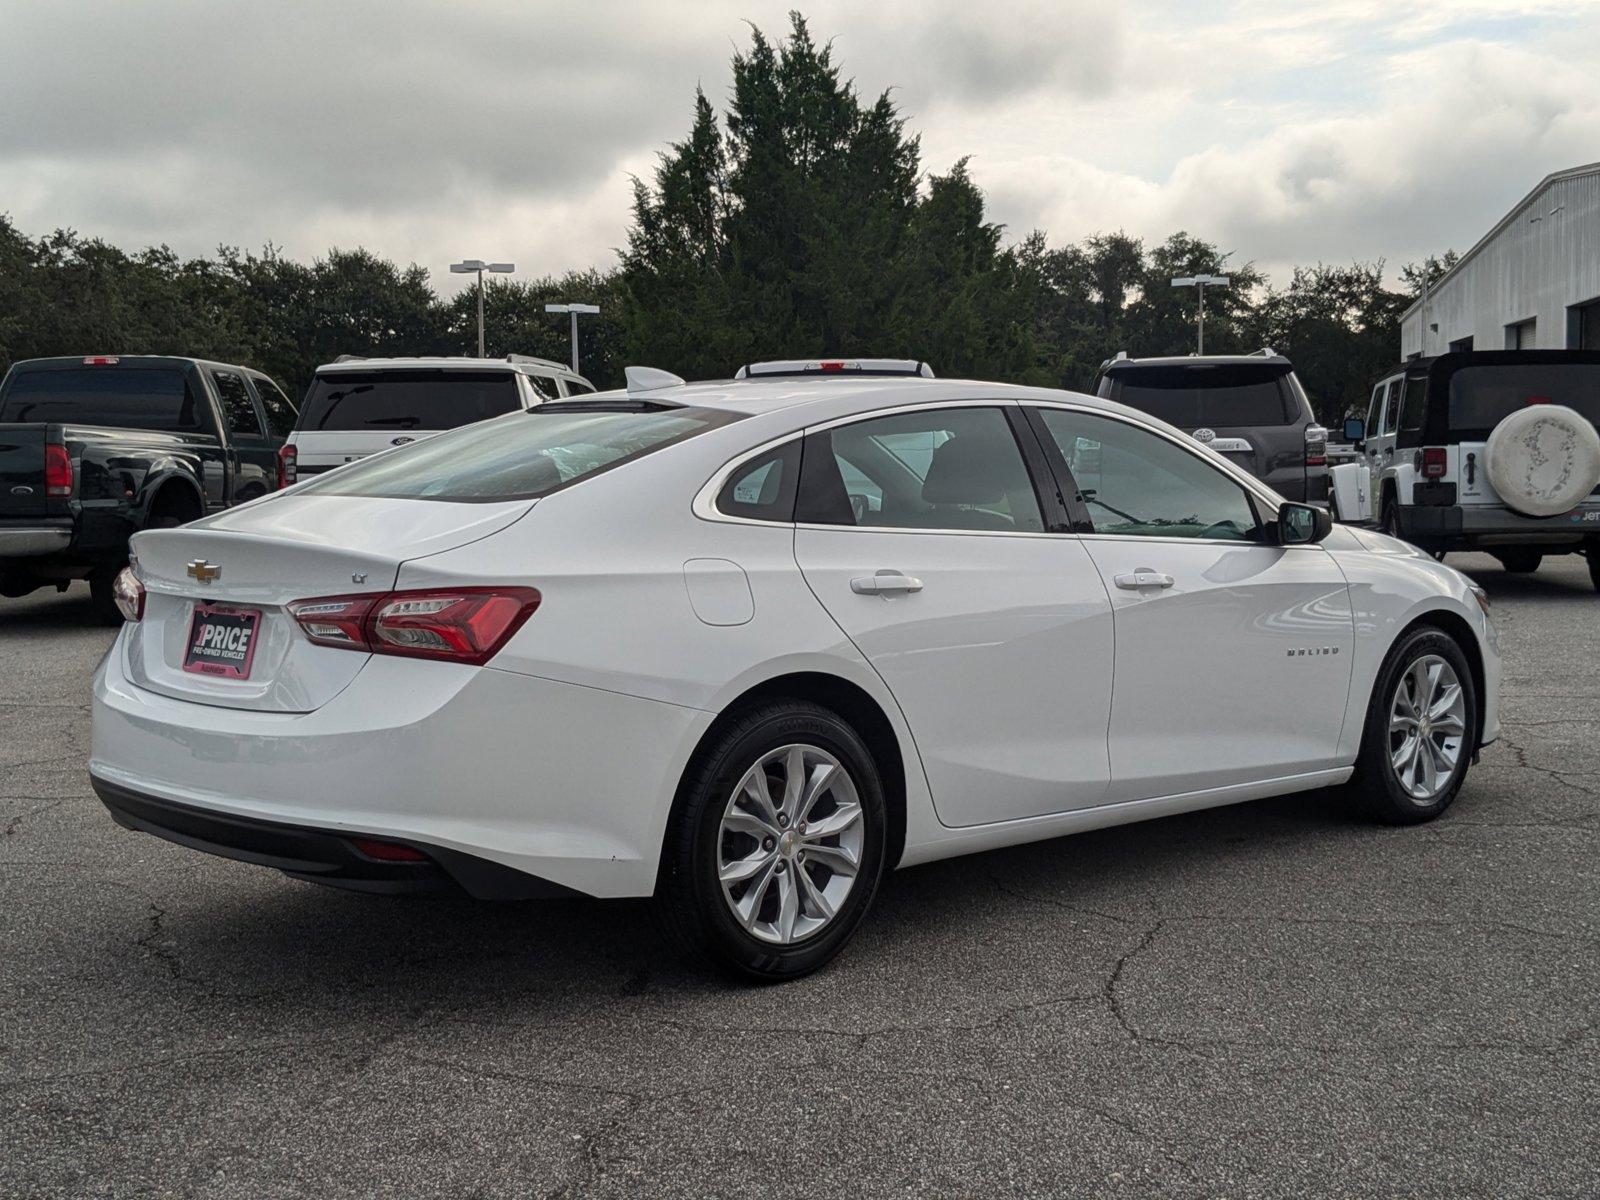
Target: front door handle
1144	577
885	583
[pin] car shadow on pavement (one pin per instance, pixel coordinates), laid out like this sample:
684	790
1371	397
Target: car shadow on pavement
558	958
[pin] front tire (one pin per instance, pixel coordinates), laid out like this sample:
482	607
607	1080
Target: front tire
1420	731
776	845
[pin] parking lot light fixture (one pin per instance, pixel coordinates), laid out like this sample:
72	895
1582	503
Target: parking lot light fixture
1199	283
575	309
478	266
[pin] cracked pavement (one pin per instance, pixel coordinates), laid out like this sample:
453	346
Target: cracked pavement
1274	999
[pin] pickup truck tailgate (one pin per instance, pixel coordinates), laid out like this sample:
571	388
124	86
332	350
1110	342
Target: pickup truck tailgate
22	492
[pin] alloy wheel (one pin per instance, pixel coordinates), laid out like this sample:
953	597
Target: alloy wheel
790	843
1427	728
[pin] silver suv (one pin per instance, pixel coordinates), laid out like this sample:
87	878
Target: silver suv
1248	407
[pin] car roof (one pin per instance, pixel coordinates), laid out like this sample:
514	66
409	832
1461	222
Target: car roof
523	363
1198	360
809	400
65	361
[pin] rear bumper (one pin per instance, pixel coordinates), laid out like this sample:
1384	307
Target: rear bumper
30	539
318	855
569	785
1494	525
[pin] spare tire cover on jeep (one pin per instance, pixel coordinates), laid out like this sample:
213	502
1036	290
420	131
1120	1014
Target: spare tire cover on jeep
1544	459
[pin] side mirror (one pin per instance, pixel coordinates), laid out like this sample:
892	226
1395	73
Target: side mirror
1303	524
1355	430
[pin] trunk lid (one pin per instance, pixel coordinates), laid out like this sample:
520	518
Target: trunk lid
261	557
22	492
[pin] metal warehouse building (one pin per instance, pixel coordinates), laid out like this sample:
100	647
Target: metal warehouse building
1531	282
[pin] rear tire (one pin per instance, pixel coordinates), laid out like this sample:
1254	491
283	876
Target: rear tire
1390	522
758	888
1426	675
1592	553
1520	561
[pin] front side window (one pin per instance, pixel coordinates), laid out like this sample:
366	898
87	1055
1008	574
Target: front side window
238	410
280	413
1391	407
952	468
519	457
1138	484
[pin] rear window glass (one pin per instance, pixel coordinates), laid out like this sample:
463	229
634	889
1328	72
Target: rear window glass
122	397
1482	397
1219	396
518	457
385	400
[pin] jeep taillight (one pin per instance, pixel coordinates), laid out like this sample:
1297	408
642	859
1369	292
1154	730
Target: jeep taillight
1434	462
467	625
288	465
57	471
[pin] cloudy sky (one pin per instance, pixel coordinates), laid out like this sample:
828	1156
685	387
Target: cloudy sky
1287	131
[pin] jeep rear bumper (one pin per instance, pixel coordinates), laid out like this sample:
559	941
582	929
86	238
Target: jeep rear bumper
1497	526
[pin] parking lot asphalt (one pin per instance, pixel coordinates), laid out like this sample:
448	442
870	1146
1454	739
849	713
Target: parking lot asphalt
1274	999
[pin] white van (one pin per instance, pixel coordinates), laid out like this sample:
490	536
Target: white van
359	406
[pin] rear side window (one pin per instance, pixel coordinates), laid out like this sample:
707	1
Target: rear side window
121	397
519	457
380	401
280	413
238	409
763	489
1414	407
1218	395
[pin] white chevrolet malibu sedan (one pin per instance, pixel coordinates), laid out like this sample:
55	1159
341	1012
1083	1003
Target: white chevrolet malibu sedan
743	646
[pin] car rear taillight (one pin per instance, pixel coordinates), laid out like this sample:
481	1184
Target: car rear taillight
128	593
1316	446
466	625
57	471
288	465
1434	462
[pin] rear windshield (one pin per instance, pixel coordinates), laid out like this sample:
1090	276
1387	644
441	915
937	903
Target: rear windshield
121	397
1219	395
518	457
383	400
1481	397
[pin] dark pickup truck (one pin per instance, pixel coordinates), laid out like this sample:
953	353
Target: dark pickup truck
94	449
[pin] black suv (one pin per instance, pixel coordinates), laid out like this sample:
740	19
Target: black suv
94	449
1250	408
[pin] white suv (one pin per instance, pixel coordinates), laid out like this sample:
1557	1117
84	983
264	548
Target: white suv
359	406
1489	450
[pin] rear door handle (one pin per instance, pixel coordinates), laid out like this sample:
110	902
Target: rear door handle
1144	577
885	583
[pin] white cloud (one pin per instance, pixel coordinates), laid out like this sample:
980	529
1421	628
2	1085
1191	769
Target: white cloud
1286	131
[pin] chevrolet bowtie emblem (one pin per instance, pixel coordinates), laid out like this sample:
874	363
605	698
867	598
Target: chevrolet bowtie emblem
202	570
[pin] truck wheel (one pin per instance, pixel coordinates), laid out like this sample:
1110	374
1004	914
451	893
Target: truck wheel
102	597
1593	555
1520	560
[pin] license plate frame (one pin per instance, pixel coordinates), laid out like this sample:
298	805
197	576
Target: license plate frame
216	659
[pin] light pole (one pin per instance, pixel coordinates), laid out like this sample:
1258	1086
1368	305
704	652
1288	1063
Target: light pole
1199	283
479	266
574	309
